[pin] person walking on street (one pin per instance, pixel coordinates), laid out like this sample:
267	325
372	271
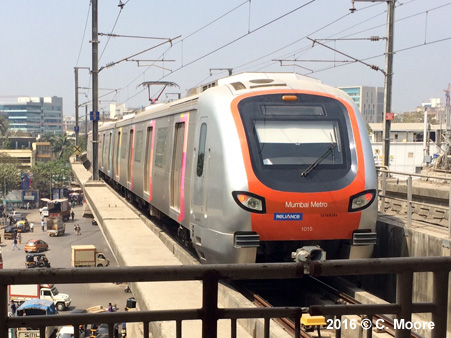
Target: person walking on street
19	237
31	227
13	308
42	225
72	215
15	244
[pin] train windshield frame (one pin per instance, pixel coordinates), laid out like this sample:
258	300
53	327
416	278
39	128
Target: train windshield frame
286	139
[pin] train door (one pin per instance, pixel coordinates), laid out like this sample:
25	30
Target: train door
177	162
102	151
199	190
131	140
148	160
110	150
117	154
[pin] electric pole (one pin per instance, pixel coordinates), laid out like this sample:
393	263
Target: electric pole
388	116
388	79
95	91
76	128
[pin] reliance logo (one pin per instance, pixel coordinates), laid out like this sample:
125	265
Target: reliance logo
288	217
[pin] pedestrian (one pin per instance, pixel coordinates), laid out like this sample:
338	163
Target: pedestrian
110	307
15	244
72	215
78	230
42	225
31	227
13	308
19	237
75	229
28	205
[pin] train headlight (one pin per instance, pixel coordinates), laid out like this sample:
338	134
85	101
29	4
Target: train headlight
249	201
361	200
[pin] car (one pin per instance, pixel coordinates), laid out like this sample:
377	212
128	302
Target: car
36	245
16	215
44	211
68	332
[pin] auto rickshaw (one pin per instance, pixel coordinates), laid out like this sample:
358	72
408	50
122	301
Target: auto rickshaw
23	226
36	260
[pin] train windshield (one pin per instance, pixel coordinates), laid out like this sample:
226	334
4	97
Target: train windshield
298	142
305	145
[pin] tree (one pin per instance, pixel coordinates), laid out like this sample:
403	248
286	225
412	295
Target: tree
62	147
52	174
10	175
3	126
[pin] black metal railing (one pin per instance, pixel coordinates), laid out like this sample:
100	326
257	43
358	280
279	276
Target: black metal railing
211	275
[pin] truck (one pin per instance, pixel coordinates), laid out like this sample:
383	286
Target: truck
59	208
36	307
87	255
22	293
55	226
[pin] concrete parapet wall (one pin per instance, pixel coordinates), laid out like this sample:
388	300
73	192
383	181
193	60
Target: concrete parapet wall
420	240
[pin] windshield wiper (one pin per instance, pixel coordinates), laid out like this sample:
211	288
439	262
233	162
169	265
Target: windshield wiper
319	160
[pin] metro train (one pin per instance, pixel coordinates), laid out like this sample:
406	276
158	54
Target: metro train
251	167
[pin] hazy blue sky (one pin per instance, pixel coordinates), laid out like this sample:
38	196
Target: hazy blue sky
42	41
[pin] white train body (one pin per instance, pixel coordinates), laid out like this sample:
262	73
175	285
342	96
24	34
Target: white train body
260	162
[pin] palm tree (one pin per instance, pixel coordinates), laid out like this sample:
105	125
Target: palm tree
59	144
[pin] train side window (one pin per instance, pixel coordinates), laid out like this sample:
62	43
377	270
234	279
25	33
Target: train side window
123	145
138	146
160	149
201	151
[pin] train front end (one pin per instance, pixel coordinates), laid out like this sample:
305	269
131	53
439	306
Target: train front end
310	172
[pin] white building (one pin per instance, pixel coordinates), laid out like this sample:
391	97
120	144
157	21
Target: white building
369	100
407	148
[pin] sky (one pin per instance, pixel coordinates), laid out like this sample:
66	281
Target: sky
42	41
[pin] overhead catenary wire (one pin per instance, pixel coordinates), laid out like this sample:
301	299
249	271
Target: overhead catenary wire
235	40
84	32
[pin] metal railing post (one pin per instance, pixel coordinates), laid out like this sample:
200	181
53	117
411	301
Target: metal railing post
384	191
404	293
409	201
449	211
3	310
440	300
210	305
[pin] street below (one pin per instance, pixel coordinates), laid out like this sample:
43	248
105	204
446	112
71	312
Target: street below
59	255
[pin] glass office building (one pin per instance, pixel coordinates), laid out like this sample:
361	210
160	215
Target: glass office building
34	115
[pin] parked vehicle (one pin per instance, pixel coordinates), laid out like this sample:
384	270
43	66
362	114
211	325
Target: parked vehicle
23	226
58	208
87	255
23	293
55	226
36	307
44	211
36	260
10	232
68	332
17	216
36	245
